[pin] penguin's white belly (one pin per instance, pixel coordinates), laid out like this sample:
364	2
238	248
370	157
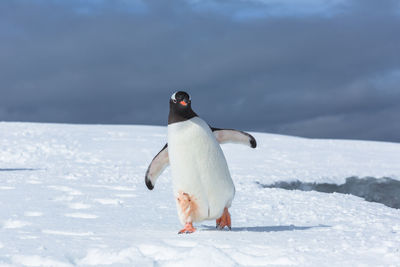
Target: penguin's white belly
199	170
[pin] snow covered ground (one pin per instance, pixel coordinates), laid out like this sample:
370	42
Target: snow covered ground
74	195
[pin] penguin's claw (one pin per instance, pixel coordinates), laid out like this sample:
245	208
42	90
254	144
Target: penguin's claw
188	229
219	227
218	223
225	220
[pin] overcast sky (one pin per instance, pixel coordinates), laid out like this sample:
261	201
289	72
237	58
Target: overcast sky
313	68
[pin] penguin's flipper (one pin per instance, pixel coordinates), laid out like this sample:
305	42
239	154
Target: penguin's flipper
156	167
234	136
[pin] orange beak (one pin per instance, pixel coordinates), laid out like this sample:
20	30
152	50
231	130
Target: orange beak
183	103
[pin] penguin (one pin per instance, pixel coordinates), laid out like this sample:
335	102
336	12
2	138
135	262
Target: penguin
202	184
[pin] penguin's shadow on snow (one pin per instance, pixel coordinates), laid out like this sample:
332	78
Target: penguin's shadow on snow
264	229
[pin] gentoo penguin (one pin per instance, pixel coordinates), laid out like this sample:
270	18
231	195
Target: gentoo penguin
202	185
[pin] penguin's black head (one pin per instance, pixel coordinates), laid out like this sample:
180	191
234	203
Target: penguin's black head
180	107
180	100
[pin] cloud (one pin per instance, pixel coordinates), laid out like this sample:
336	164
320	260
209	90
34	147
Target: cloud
313	75
250	9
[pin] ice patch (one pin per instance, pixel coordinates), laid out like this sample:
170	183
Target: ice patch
122	188
125	195
108	201
28	237
65	189
55	232
117	188
81	215
70	177
63	198
33	182
13	224
6	187
79	206
33	214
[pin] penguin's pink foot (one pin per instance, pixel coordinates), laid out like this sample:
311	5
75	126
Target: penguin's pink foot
188	229
225	220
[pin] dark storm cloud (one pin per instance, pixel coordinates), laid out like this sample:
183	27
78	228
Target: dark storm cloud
332	73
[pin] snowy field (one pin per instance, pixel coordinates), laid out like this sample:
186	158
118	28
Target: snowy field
75	196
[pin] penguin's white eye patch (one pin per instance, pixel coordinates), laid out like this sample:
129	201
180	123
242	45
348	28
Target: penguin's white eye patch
179	95
173	97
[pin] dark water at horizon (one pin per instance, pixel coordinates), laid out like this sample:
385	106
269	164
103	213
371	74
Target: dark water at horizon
382	190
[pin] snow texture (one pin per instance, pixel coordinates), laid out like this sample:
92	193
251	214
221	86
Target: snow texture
74	195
